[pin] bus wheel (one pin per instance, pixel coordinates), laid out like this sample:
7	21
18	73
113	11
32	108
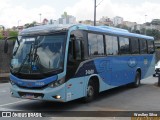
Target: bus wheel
137	80
91	92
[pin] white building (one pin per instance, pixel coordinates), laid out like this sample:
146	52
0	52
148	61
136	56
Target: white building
129	24
117	20
139	27
151	26
106	21
65	19
68	19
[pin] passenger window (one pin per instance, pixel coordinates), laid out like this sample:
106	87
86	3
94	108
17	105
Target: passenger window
124	45
75	51
70	52
134	46
111	45
78	49
143	46
95	44
151	49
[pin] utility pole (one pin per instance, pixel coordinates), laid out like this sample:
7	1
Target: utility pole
94	12
18	22
95	6
40	17
145	24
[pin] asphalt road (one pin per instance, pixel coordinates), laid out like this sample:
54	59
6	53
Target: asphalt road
144	98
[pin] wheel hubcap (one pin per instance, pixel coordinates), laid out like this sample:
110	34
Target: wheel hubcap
90	91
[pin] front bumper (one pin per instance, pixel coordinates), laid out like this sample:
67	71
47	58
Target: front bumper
47	94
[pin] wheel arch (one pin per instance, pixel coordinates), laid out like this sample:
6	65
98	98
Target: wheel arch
96	80
140	72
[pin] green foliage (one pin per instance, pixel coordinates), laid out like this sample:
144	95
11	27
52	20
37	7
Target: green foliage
123	27
155	22
27	25
1	37
153	32
150	32
13	33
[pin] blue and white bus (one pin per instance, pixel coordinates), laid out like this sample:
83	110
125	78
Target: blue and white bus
66	62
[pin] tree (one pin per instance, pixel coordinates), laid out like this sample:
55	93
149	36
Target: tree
155	22
151	32
27	25
123	27
1	37
13	33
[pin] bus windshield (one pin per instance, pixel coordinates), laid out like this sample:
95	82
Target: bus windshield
38	54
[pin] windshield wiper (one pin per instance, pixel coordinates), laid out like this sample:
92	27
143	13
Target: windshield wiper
28	56
33	60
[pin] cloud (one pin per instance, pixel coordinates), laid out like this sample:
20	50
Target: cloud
10	15
84	9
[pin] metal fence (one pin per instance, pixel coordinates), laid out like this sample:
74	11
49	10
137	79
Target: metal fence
5	58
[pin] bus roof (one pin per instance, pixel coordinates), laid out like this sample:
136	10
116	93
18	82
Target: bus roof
103	29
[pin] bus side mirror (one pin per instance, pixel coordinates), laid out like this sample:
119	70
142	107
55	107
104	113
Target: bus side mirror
6	43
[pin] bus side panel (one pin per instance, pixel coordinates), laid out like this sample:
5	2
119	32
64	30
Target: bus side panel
151	69
75	88
122	72
147	65
114	71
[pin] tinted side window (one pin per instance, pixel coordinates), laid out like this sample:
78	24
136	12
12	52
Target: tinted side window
124	45
95	44
111	45
134	46
143	46
151	49
78	49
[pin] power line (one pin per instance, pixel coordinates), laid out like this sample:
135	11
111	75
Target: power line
99	3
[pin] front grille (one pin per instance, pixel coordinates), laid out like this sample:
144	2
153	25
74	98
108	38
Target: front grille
36	95
33	88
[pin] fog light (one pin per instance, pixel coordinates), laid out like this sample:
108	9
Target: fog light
57	97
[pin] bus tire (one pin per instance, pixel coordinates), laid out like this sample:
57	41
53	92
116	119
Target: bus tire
137	81
92	92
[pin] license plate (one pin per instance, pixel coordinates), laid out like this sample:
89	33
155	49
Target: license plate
29	96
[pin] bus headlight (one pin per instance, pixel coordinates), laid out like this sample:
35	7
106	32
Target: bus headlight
57	83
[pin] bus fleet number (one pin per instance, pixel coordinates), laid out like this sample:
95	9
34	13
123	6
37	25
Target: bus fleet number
89	72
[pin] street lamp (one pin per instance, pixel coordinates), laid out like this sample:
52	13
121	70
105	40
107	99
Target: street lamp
40	17
95	6
18	22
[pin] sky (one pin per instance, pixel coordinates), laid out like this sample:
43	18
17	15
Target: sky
14	12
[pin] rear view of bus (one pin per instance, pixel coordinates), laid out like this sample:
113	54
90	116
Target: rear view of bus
63	63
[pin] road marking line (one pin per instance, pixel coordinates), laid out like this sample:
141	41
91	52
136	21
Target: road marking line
6	109
12	103
3	91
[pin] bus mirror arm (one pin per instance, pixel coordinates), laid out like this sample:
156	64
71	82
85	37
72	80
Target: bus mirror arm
6	46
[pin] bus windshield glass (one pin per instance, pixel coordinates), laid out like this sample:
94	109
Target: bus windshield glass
39	54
